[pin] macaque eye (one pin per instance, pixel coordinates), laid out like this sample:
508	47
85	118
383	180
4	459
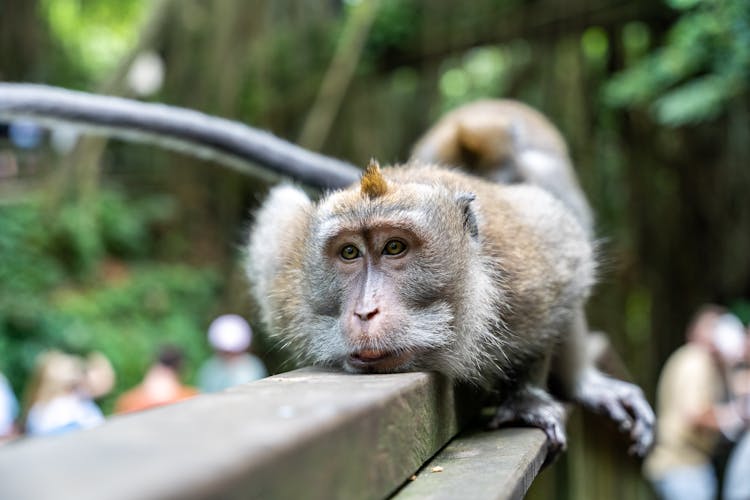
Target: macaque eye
349	252
394	247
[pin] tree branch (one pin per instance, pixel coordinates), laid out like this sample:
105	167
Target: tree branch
225	141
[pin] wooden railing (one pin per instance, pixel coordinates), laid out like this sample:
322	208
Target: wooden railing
305	434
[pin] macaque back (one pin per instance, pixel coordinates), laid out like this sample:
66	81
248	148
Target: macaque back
508	142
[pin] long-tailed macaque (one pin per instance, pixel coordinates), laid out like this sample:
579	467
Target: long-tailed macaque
419	267
506	141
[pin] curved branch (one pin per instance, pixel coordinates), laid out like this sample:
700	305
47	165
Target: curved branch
225	141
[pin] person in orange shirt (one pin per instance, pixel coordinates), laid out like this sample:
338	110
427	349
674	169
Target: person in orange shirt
161	385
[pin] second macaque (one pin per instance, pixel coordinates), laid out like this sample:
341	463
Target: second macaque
508	142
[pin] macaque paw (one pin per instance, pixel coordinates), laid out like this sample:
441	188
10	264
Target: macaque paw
532	407
624	403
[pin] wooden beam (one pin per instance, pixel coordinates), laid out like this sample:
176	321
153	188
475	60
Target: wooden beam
304	434
481	465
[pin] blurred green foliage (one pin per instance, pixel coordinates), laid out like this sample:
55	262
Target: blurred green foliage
393	28
482	72
741	307
94	35
703	65
595	45
80	279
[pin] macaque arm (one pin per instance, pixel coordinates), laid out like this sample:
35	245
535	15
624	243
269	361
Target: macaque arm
529	404
622	402
225	141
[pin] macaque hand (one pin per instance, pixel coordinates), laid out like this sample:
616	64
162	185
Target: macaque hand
624	403
533	407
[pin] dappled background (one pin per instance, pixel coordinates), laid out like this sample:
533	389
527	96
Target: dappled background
120	248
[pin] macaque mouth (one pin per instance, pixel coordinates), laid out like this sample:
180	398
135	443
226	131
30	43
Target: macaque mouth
377	361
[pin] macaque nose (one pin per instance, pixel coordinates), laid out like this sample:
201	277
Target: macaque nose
366	314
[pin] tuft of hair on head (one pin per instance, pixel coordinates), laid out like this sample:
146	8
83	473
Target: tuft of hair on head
373	184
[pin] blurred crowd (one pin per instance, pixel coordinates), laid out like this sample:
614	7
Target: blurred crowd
62	391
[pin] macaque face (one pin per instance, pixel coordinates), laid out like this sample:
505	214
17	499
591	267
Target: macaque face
371	264
384	280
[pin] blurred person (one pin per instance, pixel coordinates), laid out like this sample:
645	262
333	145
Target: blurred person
25	134
8	410
230	337
737	475
62	392
160	386
737	480
695	410
99	376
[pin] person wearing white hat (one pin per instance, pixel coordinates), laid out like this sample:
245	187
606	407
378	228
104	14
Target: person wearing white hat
229	336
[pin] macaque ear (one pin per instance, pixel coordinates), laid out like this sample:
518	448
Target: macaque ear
470	219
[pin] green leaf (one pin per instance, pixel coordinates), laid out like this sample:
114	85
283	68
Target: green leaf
696	101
